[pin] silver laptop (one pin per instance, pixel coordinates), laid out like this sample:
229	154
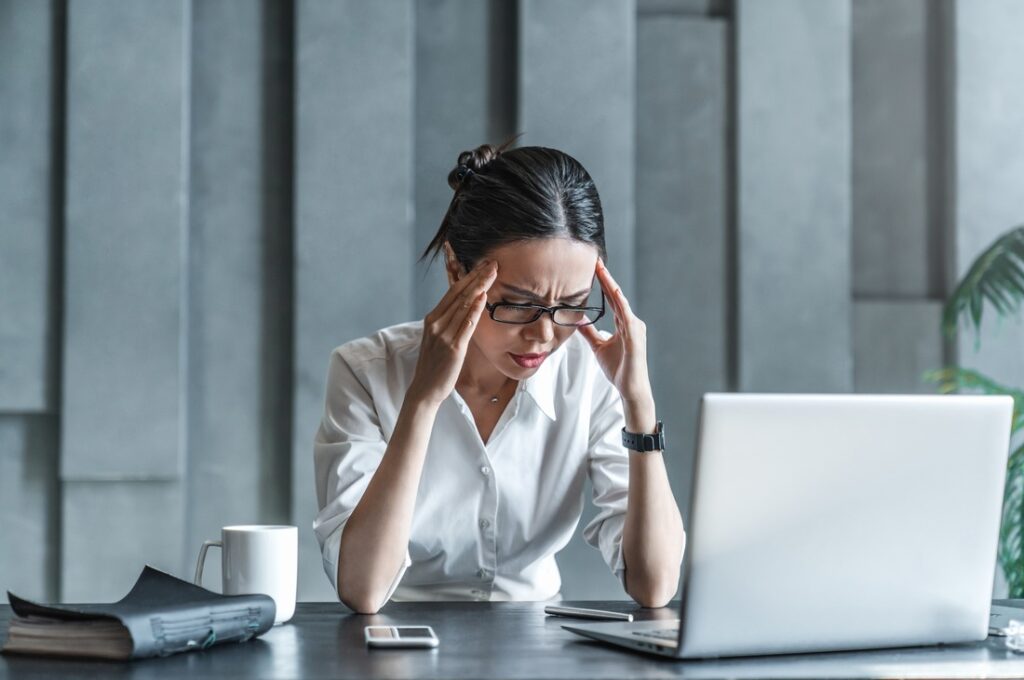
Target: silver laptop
835	522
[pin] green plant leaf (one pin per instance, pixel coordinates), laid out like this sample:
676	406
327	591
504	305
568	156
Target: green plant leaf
996	276
1011	532
955	379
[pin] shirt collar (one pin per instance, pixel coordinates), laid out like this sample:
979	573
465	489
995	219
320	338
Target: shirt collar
541	385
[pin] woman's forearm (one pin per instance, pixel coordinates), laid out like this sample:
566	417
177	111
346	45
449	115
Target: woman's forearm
652	538
375	540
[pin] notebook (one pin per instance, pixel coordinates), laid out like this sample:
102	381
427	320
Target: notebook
161	615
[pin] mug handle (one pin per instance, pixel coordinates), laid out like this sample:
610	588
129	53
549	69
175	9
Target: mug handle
201	562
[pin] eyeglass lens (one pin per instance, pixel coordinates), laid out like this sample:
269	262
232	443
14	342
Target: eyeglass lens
562	317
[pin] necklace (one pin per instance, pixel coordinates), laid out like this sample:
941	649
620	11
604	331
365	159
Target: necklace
494	399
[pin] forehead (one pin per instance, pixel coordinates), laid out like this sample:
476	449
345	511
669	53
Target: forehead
550	267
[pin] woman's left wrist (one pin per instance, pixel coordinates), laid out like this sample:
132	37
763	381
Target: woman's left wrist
640	414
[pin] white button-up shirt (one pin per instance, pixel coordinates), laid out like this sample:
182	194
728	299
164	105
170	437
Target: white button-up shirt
489	518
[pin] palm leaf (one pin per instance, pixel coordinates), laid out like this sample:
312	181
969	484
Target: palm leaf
1011	532
996	277
955	379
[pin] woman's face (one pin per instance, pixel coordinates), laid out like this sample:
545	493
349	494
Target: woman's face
548	272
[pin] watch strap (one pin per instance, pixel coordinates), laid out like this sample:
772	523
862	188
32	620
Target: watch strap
643	442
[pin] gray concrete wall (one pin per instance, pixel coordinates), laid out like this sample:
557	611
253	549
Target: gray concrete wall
240	257
682	219
793	195
196	199
28	123
353	218
988	160
122	453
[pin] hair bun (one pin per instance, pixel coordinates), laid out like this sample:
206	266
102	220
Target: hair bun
471	162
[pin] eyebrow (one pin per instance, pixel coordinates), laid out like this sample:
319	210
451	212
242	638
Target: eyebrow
529	294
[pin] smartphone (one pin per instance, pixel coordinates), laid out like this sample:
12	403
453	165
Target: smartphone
400	636
581	613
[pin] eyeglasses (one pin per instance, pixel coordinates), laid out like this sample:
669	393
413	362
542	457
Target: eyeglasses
562	316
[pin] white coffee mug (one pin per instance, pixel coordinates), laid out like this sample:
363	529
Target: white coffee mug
258	559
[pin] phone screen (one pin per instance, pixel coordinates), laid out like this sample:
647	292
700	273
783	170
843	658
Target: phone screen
396	633
414	632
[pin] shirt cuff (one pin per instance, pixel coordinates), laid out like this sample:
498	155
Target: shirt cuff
619	568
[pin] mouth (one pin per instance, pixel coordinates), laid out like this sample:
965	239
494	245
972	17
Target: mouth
528	360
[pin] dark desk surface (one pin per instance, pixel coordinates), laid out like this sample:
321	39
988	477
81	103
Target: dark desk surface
496	640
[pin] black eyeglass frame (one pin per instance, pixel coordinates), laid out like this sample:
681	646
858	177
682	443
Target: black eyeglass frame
540	311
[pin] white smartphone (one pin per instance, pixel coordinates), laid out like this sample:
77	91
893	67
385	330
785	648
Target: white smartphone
400	636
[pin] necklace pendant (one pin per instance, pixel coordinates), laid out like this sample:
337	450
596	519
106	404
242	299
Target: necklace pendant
494	400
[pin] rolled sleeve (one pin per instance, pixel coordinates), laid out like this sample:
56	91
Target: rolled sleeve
347	450
608	468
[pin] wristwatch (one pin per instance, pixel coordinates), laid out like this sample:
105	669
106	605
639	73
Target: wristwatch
645	443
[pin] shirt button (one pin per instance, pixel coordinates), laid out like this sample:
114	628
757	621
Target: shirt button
485	470
484	524
483	574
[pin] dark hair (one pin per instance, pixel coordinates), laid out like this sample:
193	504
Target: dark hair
505	196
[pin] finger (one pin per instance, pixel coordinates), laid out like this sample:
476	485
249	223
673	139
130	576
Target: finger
592	337
456	311
612	291
469	321
608	285
454	290
459	289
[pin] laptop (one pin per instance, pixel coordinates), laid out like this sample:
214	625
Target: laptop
835	522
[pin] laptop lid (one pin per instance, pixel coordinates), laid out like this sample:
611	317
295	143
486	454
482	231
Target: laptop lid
831	522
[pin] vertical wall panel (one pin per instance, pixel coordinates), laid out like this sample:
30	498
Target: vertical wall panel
27	122
29	501
463	99
891	119
239	366
793	200
681	204
895	342
125	212
111	530
125	216
577	93
989	162
354	230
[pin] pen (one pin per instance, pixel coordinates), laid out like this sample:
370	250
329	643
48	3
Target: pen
586	613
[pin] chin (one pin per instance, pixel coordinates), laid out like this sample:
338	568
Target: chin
511	370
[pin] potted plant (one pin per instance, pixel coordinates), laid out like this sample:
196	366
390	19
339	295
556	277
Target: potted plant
996	277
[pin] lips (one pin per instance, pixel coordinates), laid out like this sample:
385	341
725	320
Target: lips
528	360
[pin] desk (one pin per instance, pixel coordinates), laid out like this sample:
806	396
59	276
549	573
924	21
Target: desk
495	640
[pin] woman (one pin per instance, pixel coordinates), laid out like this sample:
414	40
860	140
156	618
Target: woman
452	455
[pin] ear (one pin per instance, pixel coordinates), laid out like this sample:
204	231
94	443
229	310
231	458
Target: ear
452	267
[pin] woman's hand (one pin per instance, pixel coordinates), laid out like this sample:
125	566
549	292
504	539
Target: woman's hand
446	333
623	356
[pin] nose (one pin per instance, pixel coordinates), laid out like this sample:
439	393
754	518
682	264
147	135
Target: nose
540	331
